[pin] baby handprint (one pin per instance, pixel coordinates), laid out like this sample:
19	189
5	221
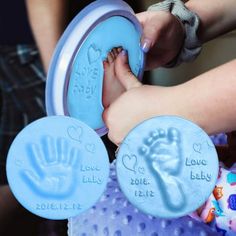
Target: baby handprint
54	163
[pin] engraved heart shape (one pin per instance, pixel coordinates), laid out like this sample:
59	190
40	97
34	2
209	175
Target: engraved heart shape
141	170
197	147
130	162
90	147
19	163
93	54
75	133
210	144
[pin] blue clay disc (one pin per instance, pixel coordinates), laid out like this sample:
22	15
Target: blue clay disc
75	78
167	166
84	92
57	167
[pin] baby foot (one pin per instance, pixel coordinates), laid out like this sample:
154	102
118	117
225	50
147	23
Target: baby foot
112	87
162	151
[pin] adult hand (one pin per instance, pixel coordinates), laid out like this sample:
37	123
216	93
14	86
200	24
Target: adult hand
138	103
188	100
162	38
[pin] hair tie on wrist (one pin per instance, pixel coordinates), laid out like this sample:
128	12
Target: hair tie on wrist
190	20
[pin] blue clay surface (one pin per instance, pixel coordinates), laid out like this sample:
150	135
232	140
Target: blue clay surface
167	166
57	167
84	95
113	215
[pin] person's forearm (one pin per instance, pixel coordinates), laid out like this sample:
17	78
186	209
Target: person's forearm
209	99
217	17
48	20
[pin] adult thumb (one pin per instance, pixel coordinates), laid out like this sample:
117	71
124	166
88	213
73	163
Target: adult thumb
124	73
151	29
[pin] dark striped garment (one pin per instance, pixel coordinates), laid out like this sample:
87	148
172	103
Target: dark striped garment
22	83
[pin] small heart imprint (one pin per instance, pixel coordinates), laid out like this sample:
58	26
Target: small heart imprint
75	133
130	162
93	54
19	163
90	147
197	147
141	170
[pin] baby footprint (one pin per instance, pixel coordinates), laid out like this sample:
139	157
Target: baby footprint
162	151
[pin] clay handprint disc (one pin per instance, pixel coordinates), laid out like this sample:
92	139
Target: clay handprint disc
167	166
57	167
